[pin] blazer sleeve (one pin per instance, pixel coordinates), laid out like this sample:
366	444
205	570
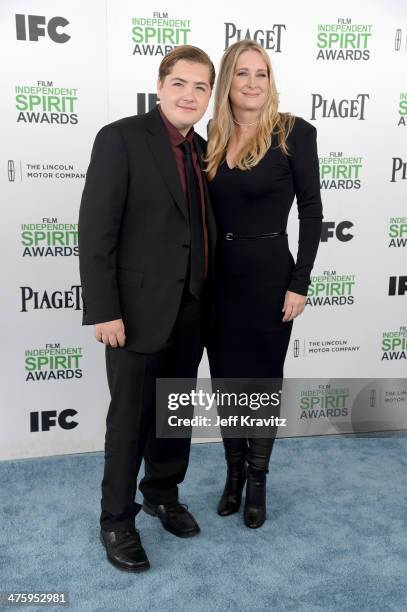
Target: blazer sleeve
305	167
101	210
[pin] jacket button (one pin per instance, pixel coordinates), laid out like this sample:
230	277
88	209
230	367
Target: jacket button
181	280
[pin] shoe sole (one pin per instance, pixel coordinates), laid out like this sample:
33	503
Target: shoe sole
132	570
255	526
228	513
151	512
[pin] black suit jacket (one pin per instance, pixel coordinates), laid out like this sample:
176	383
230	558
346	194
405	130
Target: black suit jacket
134	235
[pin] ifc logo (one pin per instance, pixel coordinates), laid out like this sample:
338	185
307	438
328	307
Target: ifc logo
45	419
36	28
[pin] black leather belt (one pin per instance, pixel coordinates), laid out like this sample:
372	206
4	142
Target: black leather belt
231	236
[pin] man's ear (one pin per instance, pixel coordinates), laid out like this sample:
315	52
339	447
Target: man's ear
159	84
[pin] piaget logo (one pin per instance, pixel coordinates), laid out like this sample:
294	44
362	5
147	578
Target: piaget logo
403	109
340	172
269	39
44	103
397	232
53	362
159	34
398	170
45	299
332	108
331	289
49	239
324	402
343	40
394	344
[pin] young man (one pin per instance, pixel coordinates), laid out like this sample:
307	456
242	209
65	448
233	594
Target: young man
146	245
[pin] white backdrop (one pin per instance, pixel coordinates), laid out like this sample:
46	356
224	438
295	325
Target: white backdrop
84	65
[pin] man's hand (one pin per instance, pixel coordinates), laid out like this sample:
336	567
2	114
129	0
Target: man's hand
294	305
111	332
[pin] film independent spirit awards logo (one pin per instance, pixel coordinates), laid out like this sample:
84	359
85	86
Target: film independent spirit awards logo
397	232
343	41
402	110
394	344
338	171
159	34
324	402
46	103
331	289
50	238
53	362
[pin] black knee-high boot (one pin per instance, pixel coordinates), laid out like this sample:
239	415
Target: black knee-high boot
255	502
235	455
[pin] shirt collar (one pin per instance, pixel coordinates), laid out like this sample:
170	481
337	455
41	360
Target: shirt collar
176	138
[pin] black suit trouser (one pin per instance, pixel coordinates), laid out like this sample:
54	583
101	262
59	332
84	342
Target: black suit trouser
130	422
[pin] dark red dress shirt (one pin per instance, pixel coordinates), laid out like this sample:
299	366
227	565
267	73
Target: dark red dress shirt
176	138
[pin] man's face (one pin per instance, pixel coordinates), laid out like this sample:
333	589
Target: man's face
184	94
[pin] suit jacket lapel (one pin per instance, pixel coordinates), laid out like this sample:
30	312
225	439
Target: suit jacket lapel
163	154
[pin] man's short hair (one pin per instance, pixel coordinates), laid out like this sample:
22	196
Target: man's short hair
190	54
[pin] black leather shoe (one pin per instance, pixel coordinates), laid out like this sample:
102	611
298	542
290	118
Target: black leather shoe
255	502
231	498
174	517
124	550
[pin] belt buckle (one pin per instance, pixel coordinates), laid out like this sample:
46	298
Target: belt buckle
229	236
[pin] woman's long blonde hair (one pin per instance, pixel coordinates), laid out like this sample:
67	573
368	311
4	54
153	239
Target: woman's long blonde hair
221	126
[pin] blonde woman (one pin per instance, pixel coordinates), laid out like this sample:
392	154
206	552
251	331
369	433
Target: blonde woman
257	160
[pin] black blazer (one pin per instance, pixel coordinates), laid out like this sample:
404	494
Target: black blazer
134	234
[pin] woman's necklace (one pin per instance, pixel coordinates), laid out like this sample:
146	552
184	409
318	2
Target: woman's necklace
244	124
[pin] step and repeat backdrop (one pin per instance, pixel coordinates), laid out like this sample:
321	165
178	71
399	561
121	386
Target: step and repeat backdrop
70	68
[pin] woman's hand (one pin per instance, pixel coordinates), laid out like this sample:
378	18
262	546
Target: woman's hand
294	305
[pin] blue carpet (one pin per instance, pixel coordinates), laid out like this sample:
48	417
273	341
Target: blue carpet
335	538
